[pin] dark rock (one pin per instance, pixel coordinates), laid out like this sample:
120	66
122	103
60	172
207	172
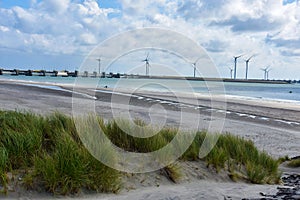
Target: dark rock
289	191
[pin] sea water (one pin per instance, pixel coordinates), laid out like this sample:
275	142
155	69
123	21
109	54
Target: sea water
278	92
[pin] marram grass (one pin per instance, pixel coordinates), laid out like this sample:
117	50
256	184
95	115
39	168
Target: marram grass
294	163
52	154
49	149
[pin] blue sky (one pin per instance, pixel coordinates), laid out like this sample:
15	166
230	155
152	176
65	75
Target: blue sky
9	4
28	3
288	1
59	34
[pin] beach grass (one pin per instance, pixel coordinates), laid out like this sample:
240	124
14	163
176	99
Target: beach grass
173	172
258	166
294	163
231	152
51	152
49	149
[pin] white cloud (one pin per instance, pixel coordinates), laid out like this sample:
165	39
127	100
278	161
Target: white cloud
224	27
4	29
54	6
55	26
88	38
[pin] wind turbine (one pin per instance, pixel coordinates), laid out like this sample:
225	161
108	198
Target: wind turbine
235	63
194	64
231	71
265	71
247	65
268	73
147	64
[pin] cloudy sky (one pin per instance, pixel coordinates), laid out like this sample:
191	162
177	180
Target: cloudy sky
59	34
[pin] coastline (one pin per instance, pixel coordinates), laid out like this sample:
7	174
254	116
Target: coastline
276	139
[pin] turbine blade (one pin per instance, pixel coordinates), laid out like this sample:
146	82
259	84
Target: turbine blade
197	60
239	56
236	57
251	57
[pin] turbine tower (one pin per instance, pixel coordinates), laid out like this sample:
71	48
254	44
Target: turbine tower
194	65
268	73
146	60
247	65
99	66
235	63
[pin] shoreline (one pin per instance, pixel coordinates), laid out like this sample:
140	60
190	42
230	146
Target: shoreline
243	100
292	104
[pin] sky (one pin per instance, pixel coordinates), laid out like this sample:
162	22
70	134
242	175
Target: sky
60	34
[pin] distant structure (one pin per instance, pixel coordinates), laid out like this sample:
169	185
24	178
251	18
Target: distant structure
235	64
194	66
146	60
231	72
247	65
99	66
18	72
266	72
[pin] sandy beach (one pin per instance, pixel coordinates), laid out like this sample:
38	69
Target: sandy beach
273	127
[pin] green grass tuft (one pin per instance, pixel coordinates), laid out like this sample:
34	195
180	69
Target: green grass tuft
52	148
69	168
234	152
294	163
173	172
3	168
21	135
283	159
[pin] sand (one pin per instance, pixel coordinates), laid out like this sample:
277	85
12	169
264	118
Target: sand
272	126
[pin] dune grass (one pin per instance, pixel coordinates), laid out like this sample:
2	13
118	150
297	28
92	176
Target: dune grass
258	166
294	163
230	152
49	149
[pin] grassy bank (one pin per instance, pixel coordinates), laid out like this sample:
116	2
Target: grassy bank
48	153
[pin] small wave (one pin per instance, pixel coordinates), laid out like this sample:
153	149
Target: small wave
287	122
264	118
262	99
58	88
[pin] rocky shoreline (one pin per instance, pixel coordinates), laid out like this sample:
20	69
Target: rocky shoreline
289	191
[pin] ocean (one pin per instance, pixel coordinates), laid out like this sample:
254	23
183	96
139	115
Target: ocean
277	92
